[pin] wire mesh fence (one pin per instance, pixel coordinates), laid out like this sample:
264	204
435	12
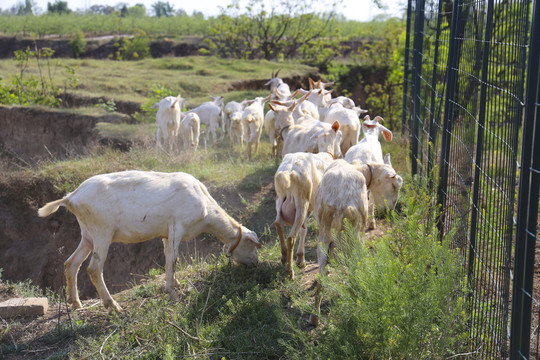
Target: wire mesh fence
464	104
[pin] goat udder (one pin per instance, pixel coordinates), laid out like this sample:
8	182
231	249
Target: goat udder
288	211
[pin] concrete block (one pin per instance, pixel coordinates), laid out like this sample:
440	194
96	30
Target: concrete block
24	307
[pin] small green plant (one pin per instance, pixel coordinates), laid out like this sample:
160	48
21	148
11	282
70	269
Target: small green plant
136	48
108	106
25	89
77	45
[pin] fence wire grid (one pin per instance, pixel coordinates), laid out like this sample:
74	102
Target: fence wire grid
471	109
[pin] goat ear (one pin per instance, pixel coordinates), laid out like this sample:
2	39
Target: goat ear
335	126
311	83
253	239
386	133
387	159
295	93
271	106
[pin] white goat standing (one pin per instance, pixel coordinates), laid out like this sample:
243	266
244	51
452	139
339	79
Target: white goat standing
236	128
296	181
343	193
252	119
229	109
211	115
349	121
309	136
369	149
135	206
190	128
168	121
279	90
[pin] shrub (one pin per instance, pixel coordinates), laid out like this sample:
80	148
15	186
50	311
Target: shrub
77	45
398	297
135	48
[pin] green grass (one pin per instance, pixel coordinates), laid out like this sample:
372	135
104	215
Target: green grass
194	77
396	296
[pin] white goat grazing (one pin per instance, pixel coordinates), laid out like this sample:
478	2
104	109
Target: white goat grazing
369	149
343	193
236	128
211	115
168	121
135	206
190	128
229	109
252	119
309	136
296	181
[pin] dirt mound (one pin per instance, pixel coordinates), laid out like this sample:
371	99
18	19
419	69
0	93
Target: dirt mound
29	133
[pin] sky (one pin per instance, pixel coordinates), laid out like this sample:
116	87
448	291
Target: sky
360	10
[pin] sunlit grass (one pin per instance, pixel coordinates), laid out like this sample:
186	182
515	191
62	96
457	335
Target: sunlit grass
194	77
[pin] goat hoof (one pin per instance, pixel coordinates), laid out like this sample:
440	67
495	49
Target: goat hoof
291	275
76	304
301	262
313	320
113	305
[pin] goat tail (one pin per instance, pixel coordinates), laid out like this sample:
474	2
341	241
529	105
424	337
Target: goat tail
283	180
51	207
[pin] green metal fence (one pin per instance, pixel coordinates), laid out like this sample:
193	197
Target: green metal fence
464	110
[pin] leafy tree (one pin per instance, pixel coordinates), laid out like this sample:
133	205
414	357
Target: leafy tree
162	8
23	8
123	11
59	7
139	10
288	29
101	10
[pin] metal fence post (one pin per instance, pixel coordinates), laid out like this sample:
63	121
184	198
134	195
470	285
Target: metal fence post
451	78
432	126
527	201
480	136
417	73
406	70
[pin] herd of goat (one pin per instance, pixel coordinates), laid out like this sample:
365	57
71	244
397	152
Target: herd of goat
325	171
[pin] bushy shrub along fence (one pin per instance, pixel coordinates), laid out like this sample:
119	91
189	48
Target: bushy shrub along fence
471	110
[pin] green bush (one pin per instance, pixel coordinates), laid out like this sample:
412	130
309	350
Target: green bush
135	48
77	45
399	297
23	88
